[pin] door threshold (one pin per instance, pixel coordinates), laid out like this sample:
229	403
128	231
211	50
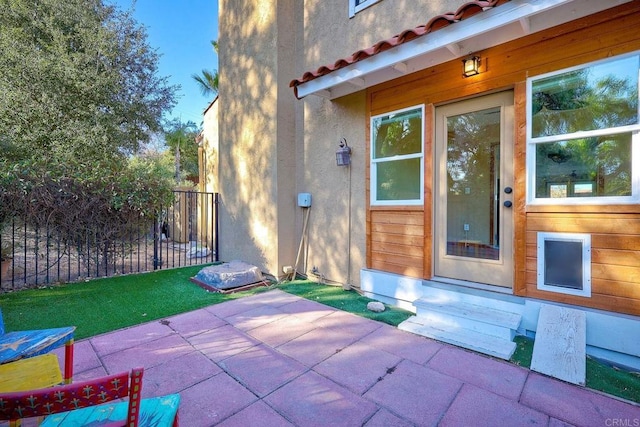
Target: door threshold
472	285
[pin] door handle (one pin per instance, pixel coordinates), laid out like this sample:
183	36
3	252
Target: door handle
507	204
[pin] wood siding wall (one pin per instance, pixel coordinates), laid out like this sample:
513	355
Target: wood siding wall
393	240
397	242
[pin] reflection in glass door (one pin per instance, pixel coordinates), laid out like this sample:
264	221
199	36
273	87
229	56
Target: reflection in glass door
473	181
474	198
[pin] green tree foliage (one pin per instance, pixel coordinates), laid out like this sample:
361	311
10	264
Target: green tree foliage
180	138
80	92
208	80
78	79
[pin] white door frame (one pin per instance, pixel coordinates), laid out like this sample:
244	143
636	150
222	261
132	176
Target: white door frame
498	272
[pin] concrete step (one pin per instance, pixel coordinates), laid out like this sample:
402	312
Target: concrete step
461	314
441	292
559	349
461	337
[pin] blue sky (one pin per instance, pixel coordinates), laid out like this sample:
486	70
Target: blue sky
181	31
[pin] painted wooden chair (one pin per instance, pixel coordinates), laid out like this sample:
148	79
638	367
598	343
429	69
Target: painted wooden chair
91	403
22	344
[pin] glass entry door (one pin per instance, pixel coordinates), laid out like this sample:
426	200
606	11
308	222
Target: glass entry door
474	196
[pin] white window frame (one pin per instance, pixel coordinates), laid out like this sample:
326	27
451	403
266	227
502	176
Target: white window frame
353	9
373	162
531	149
585	239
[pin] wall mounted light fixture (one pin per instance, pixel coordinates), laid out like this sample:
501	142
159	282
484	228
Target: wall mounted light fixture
471	66
343	155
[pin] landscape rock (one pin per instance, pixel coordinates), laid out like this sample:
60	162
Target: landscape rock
375	306
230	275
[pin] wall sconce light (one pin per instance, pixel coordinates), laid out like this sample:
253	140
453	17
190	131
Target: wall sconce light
343	155
471	66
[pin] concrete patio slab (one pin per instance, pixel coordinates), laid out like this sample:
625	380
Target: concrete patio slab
84	357
262	369
282	330
384	418
358	367
312	400
418	394
316	345
213	400
178	374
306	310
402	344
126	338
223	342
254	318
576	405
195	322
496	376
477	407
311	365
274	298
258	414
148	354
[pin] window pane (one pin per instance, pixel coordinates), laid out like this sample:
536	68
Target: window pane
586	167
398	180
598	97
397	134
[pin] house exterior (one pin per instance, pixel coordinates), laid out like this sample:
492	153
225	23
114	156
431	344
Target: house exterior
519	181
207	142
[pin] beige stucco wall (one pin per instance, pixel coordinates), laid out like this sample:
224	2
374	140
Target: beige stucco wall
256	126
337	218
272	146
330	34
210	146
337	234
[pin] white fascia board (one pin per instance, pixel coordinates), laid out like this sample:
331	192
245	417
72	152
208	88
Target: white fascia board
505	22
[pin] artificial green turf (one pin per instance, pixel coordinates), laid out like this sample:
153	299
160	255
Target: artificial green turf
600	376
104	305
603	377
349	301
524	351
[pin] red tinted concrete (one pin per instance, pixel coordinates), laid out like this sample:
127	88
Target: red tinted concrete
476	407
313	400
357	367
275	359
416	393
489	374
262	369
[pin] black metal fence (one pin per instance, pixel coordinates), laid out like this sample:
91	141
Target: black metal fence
183	234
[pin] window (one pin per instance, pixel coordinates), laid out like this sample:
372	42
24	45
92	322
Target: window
356	6
564	263
582	133
397	160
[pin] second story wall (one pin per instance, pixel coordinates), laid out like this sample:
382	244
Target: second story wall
330	34
256	132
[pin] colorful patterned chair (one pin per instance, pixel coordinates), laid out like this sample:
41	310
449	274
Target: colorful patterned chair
22	344
90	403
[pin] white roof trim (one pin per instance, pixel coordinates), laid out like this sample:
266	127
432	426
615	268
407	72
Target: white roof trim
501	24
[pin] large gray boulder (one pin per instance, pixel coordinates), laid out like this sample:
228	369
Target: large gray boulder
229	275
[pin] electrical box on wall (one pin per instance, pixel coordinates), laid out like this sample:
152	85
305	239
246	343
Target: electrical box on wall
304	200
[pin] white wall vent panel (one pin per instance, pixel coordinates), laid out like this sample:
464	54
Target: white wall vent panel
564	263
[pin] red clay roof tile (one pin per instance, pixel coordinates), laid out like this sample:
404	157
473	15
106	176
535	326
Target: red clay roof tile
465	11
